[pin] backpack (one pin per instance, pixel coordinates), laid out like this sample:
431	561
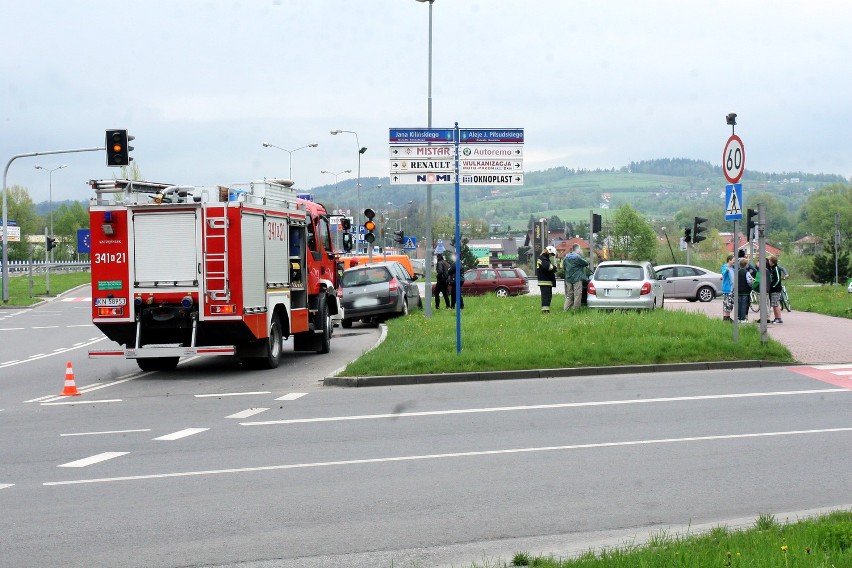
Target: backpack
753	280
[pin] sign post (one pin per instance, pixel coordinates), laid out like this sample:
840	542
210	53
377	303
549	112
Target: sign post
733	165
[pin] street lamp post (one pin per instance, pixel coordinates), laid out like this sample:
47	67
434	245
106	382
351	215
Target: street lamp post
336	175
361	150
48	255
427	276
289	154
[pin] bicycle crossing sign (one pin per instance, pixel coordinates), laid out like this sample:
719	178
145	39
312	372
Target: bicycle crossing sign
733	202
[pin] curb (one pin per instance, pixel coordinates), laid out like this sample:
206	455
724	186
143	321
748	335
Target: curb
396	380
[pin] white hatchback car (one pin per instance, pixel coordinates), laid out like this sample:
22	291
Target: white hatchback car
625	284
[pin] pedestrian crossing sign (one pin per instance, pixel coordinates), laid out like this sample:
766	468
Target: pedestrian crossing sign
410	243
733	202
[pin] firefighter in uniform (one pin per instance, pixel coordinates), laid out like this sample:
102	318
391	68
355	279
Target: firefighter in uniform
545	271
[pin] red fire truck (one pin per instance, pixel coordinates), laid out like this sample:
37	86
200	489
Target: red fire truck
184	271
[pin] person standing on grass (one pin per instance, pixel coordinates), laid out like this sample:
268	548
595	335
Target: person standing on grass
442	273
545	271
775	280
575	273
728	276
743	290
451	285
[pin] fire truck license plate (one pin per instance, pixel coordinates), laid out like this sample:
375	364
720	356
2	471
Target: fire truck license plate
110	301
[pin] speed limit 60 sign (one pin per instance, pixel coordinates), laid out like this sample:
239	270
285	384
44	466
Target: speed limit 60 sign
733	159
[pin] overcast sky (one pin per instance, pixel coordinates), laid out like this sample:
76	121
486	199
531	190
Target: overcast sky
201	84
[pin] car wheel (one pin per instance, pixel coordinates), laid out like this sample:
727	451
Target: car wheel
502	292
705	294
404	305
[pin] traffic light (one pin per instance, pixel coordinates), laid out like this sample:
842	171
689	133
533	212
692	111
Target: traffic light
697	229
751	223
596	223
369	225
346	224
117	148
51	243
399	236
347	242
687	235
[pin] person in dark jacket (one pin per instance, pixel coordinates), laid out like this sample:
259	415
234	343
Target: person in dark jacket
545	271
451	285
442	271
775	279
743	289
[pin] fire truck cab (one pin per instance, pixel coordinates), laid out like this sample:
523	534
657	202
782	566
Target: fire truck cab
183	271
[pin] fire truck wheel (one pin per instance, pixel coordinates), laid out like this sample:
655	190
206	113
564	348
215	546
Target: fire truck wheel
324	323
158	363
273	347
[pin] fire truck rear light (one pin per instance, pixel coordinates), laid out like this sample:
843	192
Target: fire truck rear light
110	312
227	309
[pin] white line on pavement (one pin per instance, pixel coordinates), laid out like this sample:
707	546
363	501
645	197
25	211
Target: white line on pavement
247	413
231	394
292	396
41	356
78	401
107	432
46	327
97	458
11	328
449	455
542	407
6	485
181	434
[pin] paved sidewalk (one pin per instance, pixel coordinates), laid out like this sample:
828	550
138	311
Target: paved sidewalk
811	338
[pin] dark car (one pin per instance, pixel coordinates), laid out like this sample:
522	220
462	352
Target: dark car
501	281
376	292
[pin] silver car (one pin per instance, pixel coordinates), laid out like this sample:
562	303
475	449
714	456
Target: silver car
377	291
625	284
689	282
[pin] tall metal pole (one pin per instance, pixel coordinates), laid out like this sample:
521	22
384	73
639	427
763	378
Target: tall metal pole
427	273
48	255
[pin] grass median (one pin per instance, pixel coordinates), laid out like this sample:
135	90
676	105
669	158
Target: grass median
821	299
501	334
19	286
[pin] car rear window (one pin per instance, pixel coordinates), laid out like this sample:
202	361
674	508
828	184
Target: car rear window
507	274
364	276
619	273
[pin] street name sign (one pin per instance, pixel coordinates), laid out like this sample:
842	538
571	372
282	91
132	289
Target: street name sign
491	135
421	135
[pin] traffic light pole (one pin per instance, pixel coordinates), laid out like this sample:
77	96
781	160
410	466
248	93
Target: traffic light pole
5	271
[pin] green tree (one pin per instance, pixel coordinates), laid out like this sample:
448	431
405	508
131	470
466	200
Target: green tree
21	209
823	267
632	237
67	219
817	215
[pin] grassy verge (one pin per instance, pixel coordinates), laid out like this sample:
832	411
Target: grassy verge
511	333
823	542
19	286
827	300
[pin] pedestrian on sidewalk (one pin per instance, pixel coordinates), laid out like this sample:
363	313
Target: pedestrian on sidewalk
442	271
575	273
775	279
545	271
728	276
743	289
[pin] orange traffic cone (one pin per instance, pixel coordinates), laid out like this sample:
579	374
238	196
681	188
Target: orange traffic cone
70	386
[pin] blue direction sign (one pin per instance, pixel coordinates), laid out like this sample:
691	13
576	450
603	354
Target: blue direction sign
410	243
421	135
733	202
491	136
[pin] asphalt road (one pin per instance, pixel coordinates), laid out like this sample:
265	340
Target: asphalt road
211	465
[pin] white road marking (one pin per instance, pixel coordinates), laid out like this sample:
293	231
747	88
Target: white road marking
107	432
231	394
81	325
6	485
247	413
181	434
449	455
12	362
11	328
37	356
292	396
97	458
46	327
41	356
78	401
41	398
541	407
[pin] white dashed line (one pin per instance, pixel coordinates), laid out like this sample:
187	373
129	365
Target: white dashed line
78	401
181	434
107	432
94	459
6	485
46	327
292	396
247	413
231	394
